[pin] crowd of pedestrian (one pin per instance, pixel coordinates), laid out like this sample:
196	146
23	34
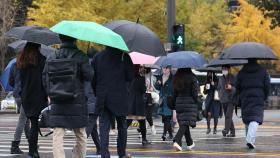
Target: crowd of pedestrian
81	89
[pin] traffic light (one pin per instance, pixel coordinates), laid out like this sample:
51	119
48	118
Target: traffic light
179	37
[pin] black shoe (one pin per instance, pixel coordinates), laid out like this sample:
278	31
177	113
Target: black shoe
126	156
145	142
34	155
215	131
224	133
251	146
98	152
163	138
15	148
231	135
170	137
208	131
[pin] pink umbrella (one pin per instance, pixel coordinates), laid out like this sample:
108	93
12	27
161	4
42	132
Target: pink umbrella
139	58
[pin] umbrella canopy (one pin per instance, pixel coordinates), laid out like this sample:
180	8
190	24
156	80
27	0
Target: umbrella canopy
223	62
207	69
19	45
248	50
138	37
139	58
35	34
4	78
183	59
90	31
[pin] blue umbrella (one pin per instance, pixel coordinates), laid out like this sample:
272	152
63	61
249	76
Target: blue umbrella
183	59
4	78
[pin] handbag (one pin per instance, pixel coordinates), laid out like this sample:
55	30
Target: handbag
44	118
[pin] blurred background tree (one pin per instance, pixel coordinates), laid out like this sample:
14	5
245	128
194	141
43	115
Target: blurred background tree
249	24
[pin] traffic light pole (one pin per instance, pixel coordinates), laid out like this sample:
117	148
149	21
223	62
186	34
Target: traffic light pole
171	18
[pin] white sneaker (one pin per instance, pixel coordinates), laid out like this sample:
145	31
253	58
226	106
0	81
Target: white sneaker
113	132
153	130
68	132
177	147
190	147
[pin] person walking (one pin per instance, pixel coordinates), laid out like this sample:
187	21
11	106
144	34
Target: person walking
164	85
185	100
137	107
30	63
226	92
152	99
91	129
213	108
23	123
113	71
253	86
65	87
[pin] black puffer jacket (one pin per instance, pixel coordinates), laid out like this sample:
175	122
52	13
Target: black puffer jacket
186	101
253	84
74	113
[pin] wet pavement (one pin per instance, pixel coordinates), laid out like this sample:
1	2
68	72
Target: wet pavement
216	146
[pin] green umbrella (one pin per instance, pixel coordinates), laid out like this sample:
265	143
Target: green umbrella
90	31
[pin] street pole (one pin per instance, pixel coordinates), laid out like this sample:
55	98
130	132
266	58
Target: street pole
171	19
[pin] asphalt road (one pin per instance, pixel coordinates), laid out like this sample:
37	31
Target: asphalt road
268	141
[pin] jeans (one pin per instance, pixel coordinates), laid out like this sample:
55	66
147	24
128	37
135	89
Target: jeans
228	111
80	147
23	123
251	131
104	122
149	114
167	125
33	138
92	130
183	131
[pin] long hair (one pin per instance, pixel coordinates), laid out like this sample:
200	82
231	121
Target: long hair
180	78
28	56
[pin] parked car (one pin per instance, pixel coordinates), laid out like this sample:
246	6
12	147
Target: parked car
8	102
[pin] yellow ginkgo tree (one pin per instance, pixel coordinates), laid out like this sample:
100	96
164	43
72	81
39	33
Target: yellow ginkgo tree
249	24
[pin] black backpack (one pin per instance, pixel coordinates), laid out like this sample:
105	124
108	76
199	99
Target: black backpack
62	78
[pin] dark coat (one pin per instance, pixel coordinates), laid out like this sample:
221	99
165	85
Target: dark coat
33	95
136	100
253	83
113	70
14	81
225	95
165	90
211	105
72	114
91	99
186	101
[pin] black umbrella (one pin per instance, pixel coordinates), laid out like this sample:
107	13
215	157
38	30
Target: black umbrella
138	37
19	45
207	69
183	59
248	50
223	62
35	34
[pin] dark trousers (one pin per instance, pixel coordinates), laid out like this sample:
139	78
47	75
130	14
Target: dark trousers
183	131
92	130
105	124
33	137
228	111
167	125
142	124
113	122
149	114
